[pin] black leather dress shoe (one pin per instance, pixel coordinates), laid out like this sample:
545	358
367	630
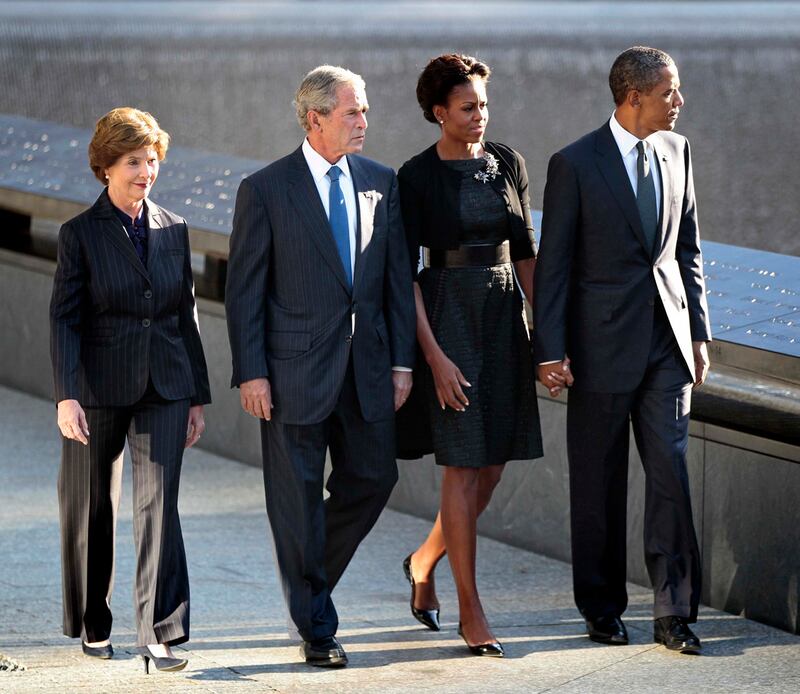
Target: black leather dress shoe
607	629
430	618
103	652
676	635
325	652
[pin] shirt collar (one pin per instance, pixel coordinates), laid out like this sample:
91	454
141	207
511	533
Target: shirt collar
125	218
626	141
320	166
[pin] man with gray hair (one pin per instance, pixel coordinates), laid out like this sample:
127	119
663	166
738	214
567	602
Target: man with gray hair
322	324
619	288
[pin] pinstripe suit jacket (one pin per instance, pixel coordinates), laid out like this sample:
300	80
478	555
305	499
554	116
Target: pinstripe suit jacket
292	317
114	323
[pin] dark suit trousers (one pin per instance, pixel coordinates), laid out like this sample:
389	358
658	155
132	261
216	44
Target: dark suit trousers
314	540
89	490
597	441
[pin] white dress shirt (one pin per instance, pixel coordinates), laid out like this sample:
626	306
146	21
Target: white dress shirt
627	148
319	167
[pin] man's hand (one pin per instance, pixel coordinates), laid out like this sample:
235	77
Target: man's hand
195	426
256	398
72	421
701	363
402	382
556	376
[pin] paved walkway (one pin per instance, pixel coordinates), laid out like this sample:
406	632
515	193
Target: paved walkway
239	641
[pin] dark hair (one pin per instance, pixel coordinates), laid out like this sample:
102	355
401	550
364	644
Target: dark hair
441	75
637	68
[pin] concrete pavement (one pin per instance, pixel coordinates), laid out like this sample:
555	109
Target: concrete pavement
239	641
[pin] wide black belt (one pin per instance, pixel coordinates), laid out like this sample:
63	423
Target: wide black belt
484	255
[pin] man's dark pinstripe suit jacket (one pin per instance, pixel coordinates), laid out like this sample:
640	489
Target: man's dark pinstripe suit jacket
288	303
115	323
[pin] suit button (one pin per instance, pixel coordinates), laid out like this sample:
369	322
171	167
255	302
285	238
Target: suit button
146	323
651	302
148	294
348	339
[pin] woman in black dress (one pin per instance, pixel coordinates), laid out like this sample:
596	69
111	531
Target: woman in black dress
466	207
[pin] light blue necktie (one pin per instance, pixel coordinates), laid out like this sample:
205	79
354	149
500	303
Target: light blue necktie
339	224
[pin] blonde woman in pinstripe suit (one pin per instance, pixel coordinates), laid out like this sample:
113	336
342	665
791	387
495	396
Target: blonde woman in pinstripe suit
128	364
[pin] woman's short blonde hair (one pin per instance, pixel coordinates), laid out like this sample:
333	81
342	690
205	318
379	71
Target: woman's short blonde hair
120	131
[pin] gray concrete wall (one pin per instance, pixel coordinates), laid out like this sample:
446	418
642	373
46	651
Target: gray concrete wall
745	489
221	76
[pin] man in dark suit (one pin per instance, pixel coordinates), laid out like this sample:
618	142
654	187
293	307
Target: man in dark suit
620	290
322	328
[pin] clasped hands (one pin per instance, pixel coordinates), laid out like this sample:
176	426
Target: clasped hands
556	376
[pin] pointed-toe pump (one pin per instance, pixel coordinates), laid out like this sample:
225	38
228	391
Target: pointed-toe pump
430	618
102	652
493	649
165	664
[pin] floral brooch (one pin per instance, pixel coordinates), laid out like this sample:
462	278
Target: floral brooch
489	171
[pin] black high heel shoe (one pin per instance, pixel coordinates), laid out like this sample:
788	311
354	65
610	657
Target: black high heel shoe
430	618
103	652
493	649
165	664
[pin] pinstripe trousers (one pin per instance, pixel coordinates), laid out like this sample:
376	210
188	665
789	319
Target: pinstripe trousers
314	541
89	490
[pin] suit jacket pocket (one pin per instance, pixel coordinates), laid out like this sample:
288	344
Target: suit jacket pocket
598	308
100	336
285	345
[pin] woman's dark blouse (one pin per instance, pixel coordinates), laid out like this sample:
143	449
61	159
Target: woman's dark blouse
430	196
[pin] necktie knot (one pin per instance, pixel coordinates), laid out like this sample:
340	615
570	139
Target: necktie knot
334	172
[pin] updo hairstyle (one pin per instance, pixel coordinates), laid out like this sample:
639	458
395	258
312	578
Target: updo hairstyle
441	75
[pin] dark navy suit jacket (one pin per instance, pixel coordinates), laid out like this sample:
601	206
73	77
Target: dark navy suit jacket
291	315
596	281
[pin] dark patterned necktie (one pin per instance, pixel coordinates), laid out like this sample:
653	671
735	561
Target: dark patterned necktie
337	214
646	196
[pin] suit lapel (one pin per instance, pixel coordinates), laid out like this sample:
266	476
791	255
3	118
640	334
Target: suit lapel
609	161
305	197
154	234
115	232
366	199
665	174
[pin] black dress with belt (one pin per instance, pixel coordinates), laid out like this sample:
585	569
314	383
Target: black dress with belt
477	318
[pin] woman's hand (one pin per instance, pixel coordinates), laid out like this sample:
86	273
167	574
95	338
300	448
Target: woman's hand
72	421
195	426
448	380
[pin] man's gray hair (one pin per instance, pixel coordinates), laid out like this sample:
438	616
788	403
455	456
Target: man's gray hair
317	91
637	68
